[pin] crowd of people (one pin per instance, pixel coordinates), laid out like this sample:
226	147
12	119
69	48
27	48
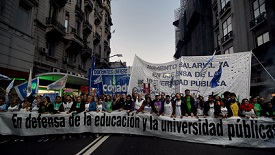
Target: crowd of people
176	106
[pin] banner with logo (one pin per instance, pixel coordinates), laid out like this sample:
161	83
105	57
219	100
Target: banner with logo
202	75
21	89
234	131
110	81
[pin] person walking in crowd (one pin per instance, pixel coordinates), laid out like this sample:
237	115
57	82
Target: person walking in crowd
178	111
234	105
222	110
139	101
44	109
247	109
68	103
188	104
99	106
14	106
57	106
199	106
147	106
107	105
93	104
37	105
210	107
119	102
168	107
257	106
26	106
78	106
270	110
129	105
157	105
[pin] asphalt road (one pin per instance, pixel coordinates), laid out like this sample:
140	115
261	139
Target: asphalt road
123	145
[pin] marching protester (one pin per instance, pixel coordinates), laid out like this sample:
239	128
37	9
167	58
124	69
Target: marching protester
168	107
178	104
129	104
256	105
44	109
78	106
270	110
234	105
147	106
157	104
138	102
107	105
57	106
26	106
119	102
199	106
99	106
188	104
222	110
68	103
3	105
210	107
162	98
14	105
37	105
247	109
93	103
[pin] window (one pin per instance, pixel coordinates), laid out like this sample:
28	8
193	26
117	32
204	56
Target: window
263	39
227	26
23	17
224	2
229	50
258	7
51	48
66	23
218	40
79	2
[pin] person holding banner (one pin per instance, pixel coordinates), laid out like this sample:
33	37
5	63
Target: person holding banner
147	106
189	104
14	105
199	106
129	104
78	106
68	103
234	105
44	108
107	105
36	107
178	104
119	102
3	105
168	107
222	109
247	109
139	101
257	106
57	106
93	103
270	110
210	107
99	107
157	105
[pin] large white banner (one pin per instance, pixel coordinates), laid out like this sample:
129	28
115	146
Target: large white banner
230	72
234	131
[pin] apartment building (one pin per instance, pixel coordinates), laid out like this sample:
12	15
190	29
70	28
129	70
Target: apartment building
237	26
59	36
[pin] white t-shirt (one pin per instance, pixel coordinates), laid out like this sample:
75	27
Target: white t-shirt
147	108
178	108
168	109
248	113
224	110
99	107
199	111
138	104
67	106
87	107
12	108
211	109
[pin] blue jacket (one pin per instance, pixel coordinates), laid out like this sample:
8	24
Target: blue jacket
92	106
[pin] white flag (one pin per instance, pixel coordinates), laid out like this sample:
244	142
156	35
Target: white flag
10	86
29	86
98	80
59	84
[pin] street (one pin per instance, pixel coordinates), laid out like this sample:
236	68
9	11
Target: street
116	144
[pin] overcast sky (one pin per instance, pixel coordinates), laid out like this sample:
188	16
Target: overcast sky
144	28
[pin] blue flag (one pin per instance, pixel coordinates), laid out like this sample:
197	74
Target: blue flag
216	77
21	89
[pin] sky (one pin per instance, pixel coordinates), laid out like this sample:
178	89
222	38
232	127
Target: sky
143	28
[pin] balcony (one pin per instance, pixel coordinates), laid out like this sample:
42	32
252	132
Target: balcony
107	49
87	28
96	38
79	12
59	3
88	5
225	9
86	51
258	21
54	28
227	37
74	41
216	26
98	18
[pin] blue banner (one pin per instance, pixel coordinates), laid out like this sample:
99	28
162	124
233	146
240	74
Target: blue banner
51	96
109	81
21	89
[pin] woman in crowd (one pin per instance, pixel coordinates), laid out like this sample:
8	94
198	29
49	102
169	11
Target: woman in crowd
107	105
99	106
14	106
26	106
222	110
270	110
257	106
246	109
37	105
44	109
157	104
147	106
234	105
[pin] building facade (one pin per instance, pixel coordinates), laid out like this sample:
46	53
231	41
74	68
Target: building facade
54	36
239	26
